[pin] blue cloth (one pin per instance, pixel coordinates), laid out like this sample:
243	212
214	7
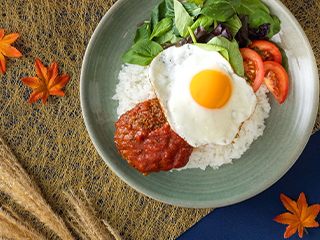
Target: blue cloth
253	218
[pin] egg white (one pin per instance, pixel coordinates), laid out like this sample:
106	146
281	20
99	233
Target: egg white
171	73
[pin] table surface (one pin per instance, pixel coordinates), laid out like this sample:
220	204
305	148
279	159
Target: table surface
253	219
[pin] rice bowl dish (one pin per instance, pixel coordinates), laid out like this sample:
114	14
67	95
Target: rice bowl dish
269	157
134	87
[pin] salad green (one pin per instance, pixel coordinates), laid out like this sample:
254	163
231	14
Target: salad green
182	19
143	32
220	10
233	24
204	21
161	28
142	52
216	25
235	57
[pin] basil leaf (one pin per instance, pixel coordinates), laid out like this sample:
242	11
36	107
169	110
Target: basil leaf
143	32
260	17
247	78
285	61
170	8
259	14
211	2
175	29
182	18
158	13
235	57
233	24
165	9
276	25
198	2
203	21
168	37
218	10
192	8
211	47
235	3
161	28
248	7
142	53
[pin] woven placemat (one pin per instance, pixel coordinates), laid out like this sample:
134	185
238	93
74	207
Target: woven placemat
51	140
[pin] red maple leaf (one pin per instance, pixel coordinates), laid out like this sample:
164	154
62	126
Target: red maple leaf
47	83
6	49
301	216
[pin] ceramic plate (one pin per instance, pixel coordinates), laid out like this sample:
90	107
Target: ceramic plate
287	129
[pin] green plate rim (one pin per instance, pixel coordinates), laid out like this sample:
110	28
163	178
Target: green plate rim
171	200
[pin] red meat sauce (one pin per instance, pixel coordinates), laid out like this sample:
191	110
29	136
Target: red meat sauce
147	142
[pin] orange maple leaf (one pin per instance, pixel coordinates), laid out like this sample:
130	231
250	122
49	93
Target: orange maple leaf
301	216
6	49
48	83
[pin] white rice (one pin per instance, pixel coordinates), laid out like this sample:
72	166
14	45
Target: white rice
134	87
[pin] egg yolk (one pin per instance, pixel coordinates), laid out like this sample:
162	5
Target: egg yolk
211	89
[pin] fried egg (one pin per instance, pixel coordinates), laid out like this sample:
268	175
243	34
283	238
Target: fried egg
202	98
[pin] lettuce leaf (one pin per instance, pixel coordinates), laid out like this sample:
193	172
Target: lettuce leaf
211	47
227	24
165	9
246	34
142	53
182	18
203	21
198	2
249	7
285	61
261	17
168	37
161	28
234	24
220	10
235	57
143	32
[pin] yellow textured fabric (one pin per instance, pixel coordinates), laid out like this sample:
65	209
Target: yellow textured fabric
51	140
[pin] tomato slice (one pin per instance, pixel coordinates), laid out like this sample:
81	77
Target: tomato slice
253	66
269	51
276	79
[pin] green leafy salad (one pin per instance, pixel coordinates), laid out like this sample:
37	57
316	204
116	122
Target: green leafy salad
214	25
